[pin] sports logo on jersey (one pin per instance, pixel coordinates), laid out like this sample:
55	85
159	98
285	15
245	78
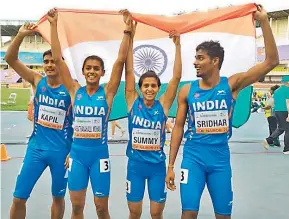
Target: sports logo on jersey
100	98
61	93
79	96
149	58
221	92
139	107
196	95
43	89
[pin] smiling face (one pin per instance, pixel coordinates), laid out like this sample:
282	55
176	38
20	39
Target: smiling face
204	64
209	58
92	70
49	66
149	88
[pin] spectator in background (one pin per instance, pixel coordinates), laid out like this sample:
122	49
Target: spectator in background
281	108
255	106
269	113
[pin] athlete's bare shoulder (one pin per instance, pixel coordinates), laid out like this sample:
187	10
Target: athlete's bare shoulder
185	89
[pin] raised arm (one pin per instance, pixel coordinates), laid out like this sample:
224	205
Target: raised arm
168	98
114	81
242	80
61	66
130	91
177	134
11	56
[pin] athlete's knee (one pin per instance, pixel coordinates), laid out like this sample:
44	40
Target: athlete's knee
77	209
156	214
156	210
18	202
101	206
189	215
77	202
135	211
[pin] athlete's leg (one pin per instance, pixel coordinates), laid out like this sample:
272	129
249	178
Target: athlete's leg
31	169
157	190
59	183
220	189
135	209
135	186
101	205
78	201
156	209
193	180
100	182
57	207
78	176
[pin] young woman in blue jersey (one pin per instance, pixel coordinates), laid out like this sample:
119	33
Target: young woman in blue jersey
51	139
147	118
89	157
209	104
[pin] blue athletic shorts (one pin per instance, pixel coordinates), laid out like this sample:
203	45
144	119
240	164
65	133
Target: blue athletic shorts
89	163
34	164
204	165
137	175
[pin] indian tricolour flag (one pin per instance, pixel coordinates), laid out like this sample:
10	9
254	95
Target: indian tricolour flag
87	32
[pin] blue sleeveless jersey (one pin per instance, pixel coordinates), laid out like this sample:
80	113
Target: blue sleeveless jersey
210	115
90	118
52	118
146	132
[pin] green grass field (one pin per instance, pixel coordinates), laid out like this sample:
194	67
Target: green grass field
23	95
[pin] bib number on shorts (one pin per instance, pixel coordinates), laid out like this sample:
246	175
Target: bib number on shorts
87	127
51	117
146	139
128	186
212	122
104	165
184	176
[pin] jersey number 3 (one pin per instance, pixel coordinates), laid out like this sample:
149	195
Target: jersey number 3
184	176
104	165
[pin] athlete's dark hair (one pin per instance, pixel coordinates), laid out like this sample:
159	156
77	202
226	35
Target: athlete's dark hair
149	74
47	53
93	57
214	49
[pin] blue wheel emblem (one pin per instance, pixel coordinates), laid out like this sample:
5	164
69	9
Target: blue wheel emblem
149	57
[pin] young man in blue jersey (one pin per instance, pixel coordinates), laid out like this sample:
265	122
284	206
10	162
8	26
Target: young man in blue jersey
147	118
89	157
209	103
51	139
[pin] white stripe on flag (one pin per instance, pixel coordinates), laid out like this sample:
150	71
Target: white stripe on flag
240	55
